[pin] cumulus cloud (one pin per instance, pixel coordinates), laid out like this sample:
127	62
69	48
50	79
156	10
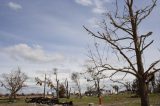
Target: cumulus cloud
14	6
99	6
33	53
84	2
96	5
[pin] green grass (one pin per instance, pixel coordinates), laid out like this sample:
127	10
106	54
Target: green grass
111	100
114	100
6	100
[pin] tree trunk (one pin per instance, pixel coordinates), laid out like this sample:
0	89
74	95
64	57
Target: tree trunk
57	89
14	95
11	97
143	93
98	89
44	90
80	94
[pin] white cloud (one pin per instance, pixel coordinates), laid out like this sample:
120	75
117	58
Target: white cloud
84	2
33	54
14	6
98	10
96	5
99	6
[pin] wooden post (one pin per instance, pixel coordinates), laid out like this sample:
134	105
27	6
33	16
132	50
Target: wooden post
100	101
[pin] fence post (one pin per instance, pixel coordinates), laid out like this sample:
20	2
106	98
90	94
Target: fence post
100	101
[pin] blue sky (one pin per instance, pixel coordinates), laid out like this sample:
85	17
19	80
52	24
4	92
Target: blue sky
39	35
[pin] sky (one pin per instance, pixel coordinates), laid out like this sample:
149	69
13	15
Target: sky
40	35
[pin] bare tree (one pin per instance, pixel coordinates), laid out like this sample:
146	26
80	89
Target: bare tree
13	82
95	76
57	82
42	82
126	41
76	78
68	90
48	82
62	91
94	73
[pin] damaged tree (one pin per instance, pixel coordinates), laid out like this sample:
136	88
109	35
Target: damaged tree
67	89
75	76
42	82
129	44
57	82
48	82
14	82
95	76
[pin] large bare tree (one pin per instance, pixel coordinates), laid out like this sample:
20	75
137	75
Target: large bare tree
124	38
13	82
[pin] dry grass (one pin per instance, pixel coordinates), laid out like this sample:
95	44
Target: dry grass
22	104
111	100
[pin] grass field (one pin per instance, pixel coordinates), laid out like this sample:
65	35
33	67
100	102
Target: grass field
111	100
115	100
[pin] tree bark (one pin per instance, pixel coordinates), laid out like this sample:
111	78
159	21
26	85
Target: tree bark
143	93
11	97
44	93
14	95
98	88
57	89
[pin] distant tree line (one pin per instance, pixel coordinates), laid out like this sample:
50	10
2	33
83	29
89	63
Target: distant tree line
15	81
